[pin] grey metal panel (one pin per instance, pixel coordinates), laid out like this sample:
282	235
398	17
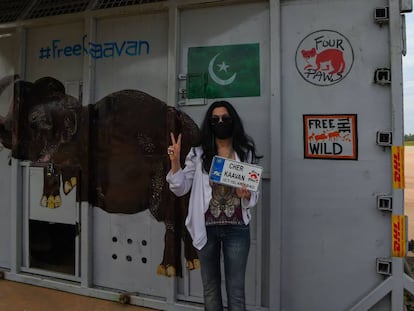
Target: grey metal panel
148	73
45	52
267	240
247	23
45	56
145	72
5	207
139	236
332	231
7	67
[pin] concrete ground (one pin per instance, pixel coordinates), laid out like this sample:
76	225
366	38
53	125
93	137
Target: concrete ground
16	296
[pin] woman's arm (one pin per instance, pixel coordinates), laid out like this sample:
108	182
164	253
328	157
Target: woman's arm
180	182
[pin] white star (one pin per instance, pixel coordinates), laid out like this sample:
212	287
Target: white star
223	66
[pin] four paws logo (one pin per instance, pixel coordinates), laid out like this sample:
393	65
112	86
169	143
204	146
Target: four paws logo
324	57
254	176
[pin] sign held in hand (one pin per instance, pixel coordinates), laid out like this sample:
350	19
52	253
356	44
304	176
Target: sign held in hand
235	173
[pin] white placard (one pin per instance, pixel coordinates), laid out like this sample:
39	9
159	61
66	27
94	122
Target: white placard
235	173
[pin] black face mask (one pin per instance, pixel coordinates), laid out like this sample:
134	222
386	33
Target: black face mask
223	130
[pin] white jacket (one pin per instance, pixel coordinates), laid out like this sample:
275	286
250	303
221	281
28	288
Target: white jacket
193	178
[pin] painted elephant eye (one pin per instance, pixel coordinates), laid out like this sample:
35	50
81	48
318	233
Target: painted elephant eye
33	120
39	121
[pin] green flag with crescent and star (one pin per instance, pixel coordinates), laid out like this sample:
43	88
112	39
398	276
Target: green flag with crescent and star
223	71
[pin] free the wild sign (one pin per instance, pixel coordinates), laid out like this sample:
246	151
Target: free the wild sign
331	136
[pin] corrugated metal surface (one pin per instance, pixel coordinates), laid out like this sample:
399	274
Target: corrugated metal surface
10	11
44	8
105	4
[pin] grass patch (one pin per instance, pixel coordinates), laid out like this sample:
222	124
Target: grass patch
409	143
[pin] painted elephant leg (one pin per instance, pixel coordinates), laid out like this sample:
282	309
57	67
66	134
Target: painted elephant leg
69	178
190	252
175	230
171	264
51	186
171	261
6	122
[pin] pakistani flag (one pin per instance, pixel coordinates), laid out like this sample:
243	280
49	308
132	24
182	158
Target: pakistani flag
223	71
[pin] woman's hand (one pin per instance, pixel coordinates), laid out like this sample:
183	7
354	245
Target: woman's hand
174	151
243	193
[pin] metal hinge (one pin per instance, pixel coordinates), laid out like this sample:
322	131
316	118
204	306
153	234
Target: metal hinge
384	266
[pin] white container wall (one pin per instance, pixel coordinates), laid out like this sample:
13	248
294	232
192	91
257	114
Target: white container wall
332	231
317	92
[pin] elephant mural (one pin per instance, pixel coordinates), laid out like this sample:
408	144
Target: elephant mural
115	149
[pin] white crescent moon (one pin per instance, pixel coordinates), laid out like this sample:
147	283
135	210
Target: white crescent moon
214	76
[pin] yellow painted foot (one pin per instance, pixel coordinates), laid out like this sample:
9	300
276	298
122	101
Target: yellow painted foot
161	270
67	187
196	263
51	201
171	271
193	264
58	201
43	201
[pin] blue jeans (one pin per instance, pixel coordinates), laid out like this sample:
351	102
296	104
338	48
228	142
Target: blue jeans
234	240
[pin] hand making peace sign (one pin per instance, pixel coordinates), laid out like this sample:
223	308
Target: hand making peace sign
174	152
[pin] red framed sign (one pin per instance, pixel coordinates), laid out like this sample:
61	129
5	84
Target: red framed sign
330	136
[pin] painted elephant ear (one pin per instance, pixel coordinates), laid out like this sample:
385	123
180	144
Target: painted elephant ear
72	107
27	96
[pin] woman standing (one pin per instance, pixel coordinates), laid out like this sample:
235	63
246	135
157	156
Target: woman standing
218	215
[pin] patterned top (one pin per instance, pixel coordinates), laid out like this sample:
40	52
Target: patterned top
225	207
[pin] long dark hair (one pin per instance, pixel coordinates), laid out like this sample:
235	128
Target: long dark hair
242	144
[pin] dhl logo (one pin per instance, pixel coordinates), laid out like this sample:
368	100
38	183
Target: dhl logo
398	167
398	235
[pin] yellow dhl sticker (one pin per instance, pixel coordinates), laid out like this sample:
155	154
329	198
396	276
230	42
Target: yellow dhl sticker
399	239
398	180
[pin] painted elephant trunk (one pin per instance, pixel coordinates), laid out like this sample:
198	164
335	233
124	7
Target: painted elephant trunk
6	123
